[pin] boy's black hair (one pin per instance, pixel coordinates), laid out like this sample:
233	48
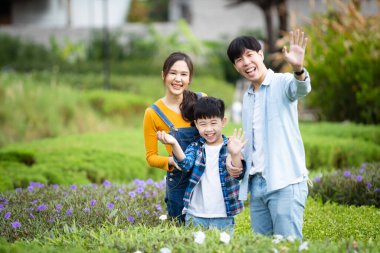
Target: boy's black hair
209	107
240	44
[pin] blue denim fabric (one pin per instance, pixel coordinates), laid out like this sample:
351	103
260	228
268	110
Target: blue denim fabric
223	223
278	212
176	180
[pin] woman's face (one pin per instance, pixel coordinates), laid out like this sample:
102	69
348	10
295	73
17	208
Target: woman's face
178	78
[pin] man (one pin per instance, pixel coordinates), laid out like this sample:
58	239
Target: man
276	175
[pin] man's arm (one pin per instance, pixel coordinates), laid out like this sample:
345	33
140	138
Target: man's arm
300	85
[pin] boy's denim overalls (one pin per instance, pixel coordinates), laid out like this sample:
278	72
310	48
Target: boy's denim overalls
176	180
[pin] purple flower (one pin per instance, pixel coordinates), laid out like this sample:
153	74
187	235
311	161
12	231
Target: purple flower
106	184
86	210
65	194
147	195
359	178
154	193
364	165
94	186
110	205
121	191
131	219
347	173
69	211
34	202
132	194
41	208
139	190
58	208
158	207
16	224
146	211
30	188
73	187
117	198
36	185
149	181
93	202
18	189
317	179
7	215
32	216
51	220
139	182
369	185
54	186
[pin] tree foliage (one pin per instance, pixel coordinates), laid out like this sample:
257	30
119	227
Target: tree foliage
344	59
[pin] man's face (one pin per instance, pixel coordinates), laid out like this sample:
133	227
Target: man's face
251	66
211	129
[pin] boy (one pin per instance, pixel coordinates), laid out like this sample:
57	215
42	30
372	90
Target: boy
211	198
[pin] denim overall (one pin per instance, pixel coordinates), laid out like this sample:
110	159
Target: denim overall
176	180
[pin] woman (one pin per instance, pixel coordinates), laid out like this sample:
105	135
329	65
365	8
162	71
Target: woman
172	113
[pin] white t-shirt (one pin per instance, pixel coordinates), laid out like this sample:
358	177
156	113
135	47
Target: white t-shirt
207	200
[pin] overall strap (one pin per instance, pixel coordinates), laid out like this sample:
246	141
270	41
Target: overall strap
162	116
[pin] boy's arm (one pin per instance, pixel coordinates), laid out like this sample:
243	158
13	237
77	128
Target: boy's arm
168	139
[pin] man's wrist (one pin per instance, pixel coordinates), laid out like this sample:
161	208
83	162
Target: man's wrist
299	72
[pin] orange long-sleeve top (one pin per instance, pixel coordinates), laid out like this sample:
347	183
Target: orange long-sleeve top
152	124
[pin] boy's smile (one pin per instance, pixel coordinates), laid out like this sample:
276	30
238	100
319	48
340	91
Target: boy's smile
211	129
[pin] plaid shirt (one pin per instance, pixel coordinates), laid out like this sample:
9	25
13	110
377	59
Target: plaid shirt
195	162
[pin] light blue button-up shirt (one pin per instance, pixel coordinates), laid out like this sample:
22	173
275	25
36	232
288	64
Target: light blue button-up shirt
282	142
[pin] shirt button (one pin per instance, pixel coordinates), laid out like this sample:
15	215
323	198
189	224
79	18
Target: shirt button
170	179
171	174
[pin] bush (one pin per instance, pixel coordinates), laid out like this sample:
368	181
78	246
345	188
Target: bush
345	68
356	186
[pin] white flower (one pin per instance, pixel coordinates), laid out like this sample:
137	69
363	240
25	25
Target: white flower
138	251
291	238
199	237
163	217
224	237
165	250
275	250
303	246
277	239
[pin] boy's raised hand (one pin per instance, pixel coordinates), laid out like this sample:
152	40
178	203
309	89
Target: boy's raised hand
165	138
296	54
236	142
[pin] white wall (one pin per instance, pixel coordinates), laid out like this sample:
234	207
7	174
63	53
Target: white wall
54	13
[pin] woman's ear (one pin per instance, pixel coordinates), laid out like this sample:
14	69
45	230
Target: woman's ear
162	75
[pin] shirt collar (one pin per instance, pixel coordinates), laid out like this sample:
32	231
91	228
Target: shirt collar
267	80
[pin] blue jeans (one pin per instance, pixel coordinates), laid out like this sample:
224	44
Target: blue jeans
278	212
176	180
223	223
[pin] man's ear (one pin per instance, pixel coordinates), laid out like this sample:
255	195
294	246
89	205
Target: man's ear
261	53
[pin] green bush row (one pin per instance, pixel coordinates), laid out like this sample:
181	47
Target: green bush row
339	229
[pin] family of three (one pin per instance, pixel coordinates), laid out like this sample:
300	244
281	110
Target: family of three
209	175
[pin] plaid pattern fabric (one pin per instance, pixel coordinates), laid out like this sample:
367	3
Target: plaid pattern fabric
195	163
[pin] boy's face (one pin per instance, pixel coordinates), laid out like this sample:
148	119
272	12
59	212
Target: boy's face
211	129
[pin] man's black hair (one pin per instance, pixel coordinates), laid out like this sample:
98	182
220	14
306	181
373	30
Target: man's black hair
208	107
240	44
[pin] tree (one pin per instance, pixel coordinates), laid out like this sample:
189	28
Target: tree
266	6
